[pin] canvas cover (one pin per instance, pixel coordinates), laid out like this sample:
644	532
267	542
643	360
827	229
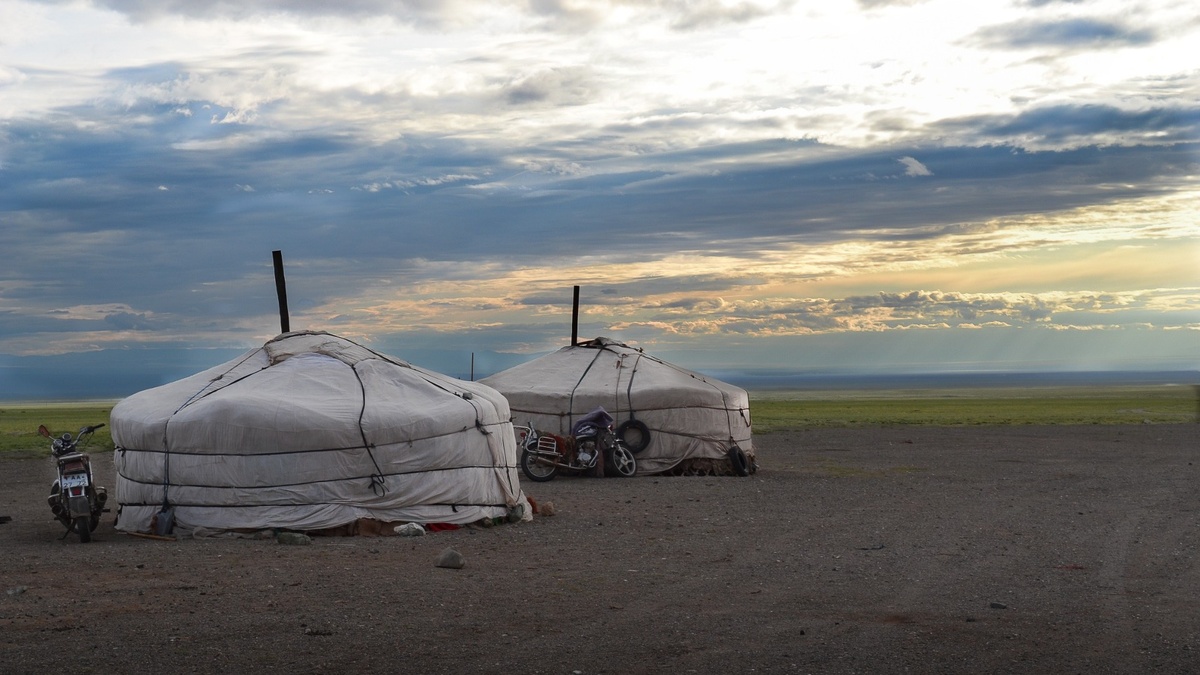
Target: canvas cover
313	431
692	419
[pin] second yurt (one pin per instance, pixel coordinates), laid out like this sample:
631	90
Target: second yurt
674	419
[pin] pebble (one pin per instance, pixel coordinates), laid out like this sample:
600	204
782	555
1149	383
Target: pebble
410	530
450	559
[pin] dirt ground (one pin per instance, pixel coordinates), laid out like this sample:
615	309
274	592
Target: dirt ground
879	550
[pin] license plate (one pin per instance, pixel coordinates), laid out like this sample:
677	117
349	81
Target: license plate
74	480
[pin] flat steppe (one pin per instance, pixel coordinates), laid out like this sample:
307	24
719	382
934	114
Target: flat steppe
923	549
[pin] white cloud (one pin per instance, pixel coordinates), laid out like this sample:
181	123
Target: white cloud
914	168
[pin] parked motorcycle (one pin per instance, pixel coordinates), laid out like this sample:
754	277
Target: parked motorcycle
75	499
592	441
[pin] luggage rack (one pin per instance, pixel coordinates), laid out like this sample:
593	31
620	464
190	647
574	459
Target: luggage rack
547	444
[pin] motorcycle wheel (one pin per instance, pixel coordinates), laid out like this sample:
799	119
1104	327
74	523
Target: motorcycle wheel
619	461
82	527
539	472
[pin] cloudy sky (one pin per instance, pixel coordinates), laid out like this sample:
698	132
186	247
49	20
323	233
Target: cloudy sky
881	185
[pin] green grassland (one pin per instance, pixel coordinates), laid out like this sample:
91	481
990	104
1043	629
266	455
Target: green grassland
775	410
19	424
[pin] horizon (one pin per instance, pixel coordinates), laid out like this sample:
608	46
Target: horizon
106	384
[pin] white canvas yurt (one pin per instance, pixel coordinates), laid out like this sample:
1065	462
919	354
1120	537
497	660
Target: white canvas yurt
311	432
675	420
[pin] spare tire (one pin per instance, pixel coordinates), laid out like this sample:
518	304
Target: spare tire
636	441
737	458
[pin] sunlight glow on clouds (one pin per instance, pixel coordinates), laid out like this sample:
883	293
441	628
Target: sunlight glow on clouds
724	175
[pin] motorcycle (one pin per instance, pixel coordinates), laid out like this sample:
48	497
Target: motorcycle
592	442
75	499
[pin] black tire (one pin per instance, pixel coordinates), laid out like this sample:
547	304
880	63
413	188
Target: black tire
82	527
739	461
619	461
638	439
534	470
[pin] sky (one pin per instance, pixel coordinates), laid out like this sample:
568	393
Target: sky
878	186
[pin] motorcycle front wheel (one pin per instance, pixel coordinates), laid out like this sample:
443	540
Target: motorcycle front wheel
536	471
619	461
83	528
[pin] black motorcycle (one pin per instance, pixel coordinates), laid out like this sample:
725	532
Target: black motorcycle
75	499
592	442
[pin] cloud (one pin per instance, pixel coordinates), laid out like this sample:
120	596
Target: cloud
914	168
1074	33
554	86
561	15
417	11
874	4
1073	125
917	309
11	76
710	13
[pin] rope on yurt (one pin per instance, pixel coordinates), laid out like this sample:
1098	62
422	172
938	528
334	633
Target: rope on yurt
465	395
629	387
724	397
378	482
201	393
571	402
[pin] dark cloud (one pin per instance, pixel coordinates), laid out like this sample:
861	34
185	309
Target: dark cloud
334	196
555	86
1084	124
709	13
1064	33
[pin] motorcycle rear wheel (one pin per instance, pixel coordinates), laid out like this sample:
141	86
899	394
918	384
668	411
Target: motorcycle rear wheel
539	472
83	527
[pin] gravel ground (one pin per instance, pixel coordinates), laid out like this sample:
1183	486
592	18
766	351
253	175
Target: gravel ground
878	550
